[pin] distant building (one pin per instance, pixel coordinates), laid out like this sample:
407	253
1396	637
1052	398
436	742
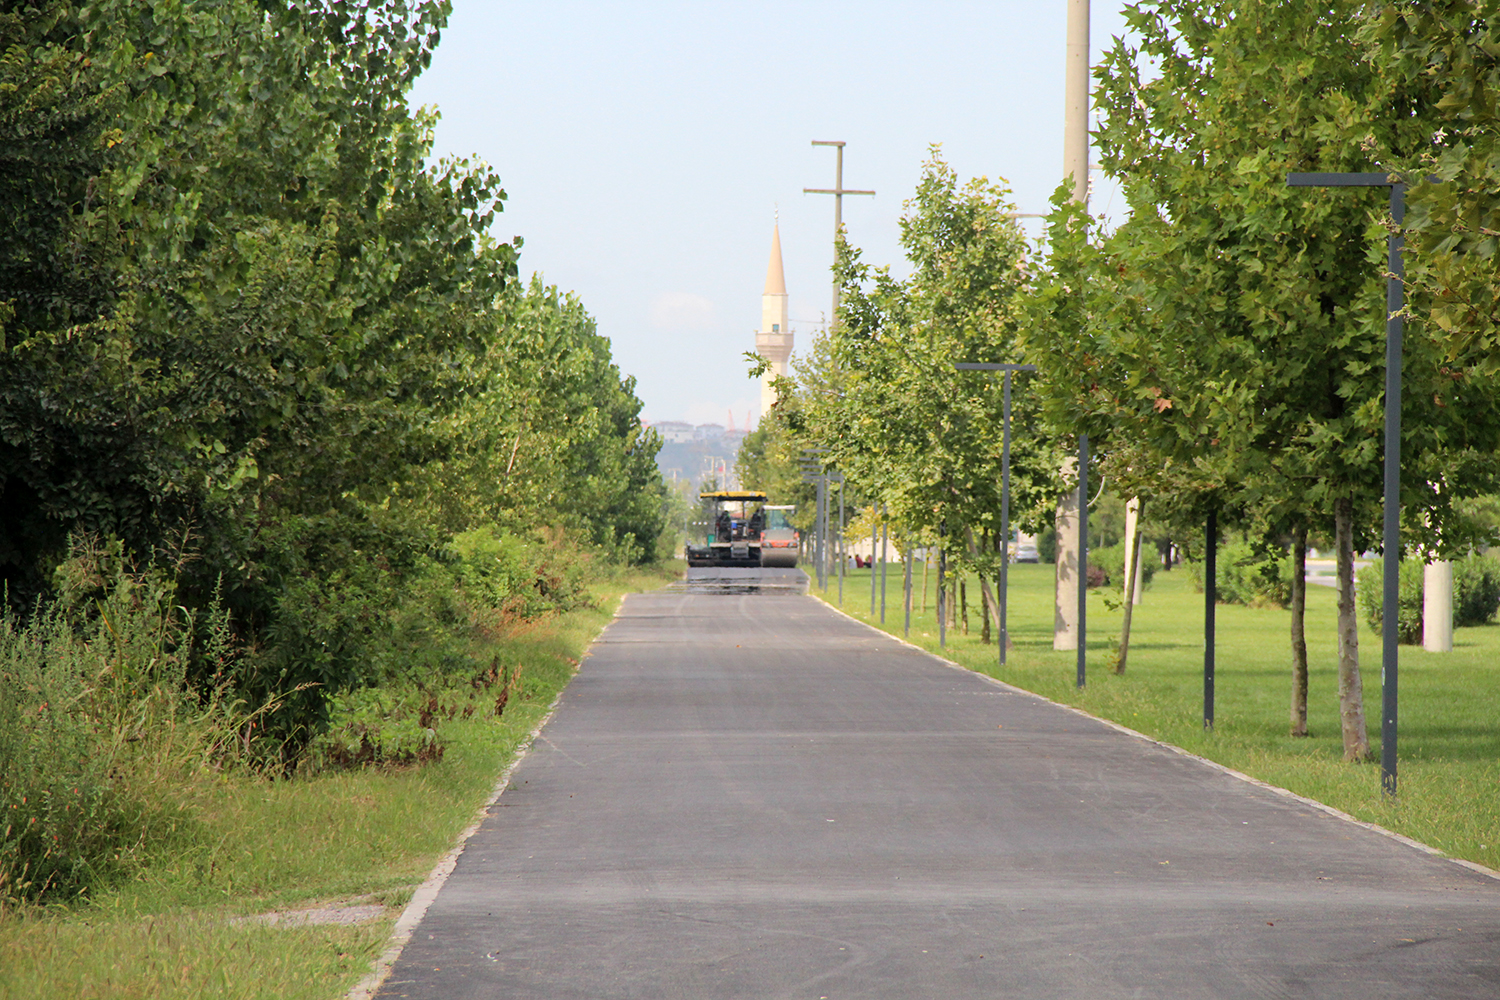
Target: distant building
708	432
674	431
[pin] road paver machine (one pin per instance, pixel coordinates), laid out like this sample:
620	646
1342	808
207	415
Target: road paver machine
741	529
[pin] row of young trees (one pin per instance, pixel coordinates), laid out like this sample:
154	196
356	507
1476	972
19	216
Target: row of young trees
1223	348
243	314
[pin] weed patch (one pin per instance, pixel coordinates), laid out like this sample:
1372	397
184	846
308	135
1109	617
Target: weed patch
244	845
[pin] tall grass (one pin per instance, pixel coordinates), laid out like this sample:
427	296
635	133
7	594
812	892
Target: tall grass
115	698
98	720
244	844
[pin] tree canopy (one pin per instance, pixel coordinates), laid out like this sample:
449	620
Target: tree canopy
239	300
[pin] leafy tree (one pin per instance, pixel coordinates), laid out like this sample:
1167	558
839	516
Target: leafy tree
236	298
770	456
551	433
881	393
1442	61
1244	359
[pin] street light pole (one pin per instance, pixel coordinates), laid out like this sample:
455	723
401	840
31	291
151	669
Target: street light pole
1004	487
885	548
1210	604
838	478
1391	542
813	472
1083	556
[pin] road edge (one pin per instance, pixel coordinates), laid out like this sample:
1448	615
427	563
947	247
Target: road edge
426	893
1285	793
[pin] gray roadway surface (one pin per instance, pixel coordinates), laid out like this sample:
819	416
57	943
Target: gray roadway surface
744	794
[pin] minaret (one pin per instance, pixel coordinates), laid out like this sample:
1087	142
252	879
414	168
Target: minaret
773	341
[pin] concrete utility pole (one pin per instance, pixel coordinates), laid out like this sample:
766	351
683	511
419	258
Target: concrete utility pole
1070	587
1076	100
838	191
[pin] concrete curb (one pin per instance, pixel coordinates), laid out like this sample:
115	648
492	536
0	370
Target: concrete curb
427	892
1275	789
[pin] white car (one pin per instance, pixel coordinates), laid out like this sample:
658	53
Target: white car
1026	552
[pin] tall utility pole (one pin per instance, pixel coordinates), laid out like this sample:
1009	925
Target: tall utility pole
838	191
1004	588
1076	100
1071	583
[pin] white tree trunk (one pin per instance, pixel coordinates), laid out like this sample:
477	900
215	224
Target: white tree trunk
1065	591
1437	607
1351	688
1133	560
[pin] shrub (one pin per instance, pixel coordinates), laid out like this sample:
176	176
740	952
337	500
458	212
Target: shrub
1111	560
1476	595
1476	590
1370	591
1246	574
96	721
518	576
400	724
358	605
65	820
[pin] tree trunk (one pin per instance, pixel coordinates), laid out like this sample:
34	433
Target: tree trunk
943	597
990	600
926	562
963	599
984	611
1299	636
1351	690
1133	548
1164	549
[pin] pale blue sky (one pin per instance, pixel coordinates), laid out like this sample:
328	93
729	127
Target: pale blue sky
645	146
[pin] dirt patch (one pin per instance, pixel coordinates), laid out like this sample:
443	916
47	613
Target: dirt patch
346	912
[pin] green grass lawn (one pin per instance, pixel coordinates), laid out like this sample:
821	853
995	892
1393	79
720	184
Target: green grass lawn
1450	702
248	845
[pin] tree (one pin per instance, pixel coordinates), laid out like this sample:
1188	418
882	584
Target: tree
881	392
1442	61
1253	361
238	300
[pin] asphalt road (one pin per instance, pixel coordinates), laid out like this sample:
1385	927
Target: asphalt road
744	794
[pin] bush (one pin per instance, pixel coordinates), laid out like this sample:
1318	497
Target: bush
400	724
520	577
1111	560
1247	575
362	604
96	720
484	580
1476	595
1370	590
1476	590
65	819
1046	544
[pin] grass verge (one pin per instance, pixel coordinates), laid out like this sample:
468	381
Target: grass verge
1449	732
246	846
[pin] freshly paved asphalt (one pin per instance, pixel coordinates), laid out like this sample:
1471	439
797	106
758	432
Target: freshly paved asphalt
744	794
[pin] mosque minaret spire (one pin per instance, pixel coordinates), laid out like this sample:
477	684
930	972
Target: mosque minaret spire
773	341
